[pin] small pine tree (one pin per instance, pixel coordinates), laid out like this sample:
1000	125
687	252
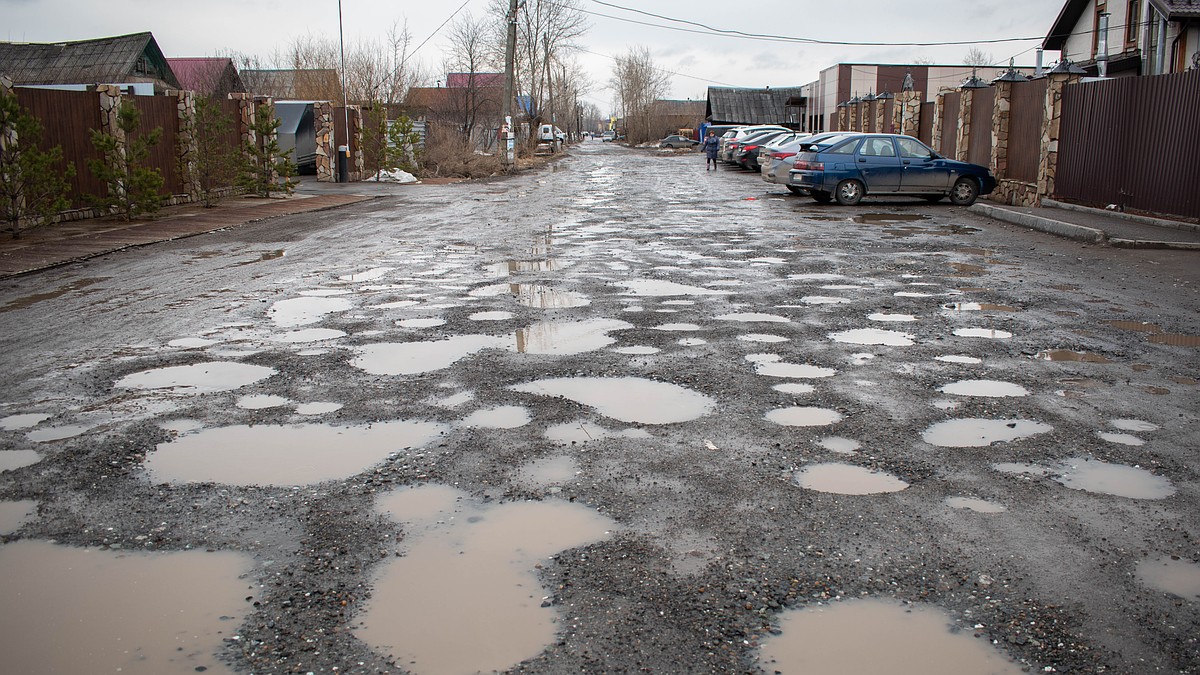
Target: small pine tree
265	169
133	189
216	159
403	144
33	187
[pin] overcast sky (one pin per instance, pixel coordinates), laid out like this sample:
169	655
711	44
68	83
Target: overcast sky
207	27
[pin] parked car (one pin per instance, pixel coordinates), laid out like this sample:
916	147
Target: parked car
848	168
741	133
748	150
781	161
608	136
677	141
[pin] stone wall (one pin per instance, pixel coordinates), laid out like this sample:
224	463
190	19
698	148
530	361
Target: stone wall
906	114
326	152
185	142
935	140
962	144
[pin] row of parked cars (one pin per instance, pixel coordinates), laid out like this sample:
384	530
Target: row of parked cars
847	166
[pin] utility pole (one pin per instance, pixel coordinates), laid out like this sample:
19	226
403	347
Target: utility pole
507	134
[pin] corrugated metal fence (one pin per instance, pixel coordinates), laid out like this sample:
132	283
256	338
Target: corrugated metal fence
950	124
1133	142
925	122
161	112
1026	110
67	117
979	146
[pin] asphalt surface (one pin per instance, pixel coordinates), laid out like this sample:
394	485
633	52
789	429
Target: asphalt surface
622	406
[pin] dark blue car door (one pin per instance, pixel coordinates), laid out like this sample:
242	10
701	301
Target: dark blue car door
921	171
878	164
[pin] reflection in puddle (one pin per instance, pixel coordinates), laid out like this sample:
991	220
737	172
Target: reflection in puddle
567	338
544	297
22	303
1172	575
754	317
421	323
129	613
1093	475
283	455
199	378
872	218
461	554
761	337
521	266
47	434
903	639
15	514
847	479
501	417
637	350
882	316
308	335
412	358
991	333
23	421
803	416
977	505
12	460
306	310
1121	439
1137	326
628	399
842	446
369	275
979	307
1066	355
491	316
978	433
954	358
873	336
262	401
582	432
985	388
772	365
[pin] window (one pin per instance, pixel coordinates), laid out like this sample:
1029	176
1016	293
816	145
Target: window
878	147
845	147
1133	23
911	148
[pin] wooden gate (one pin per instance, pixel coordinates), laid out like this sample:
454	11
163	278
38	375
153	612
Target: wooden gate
1134	142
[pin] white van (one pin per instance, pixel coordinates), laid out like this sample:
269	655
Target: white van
549	133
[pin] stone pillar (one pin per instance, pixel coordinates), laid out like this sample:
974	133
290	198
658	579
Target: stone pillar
1000	115
9	138
1051	120
852	113
906	114
326	152
963	143
185	142
880	109
245	117
110	105
843	119
864	116
359	161
935	139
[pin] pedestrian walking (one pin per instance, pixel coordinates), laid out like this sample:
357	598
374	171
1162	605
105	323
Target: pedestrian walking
711	145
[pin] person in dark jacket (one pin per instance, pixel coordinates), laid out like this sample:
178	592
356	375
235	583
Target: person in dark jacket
711	145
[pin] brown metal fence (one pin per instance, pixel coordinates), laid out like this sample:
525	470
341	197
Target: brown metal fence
232	111
339	130
1133	142
67	117
889	109
1026	110
872	111
161	112
979	148
925	122
950	124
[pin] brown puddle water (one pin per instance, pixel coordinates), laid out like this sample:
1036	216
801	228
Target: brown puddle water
1093	475
301	454
856	637
15	514
1067	355
1171	575
979	433
1176	340
22	303
884	218
847	479
74	610
465	596
1137	326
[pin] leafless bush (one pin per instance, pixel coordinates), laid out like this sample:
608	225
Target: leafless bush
448	153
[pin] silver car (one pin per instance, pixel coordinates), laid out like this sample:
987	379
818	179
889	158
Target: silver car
741	133
776	160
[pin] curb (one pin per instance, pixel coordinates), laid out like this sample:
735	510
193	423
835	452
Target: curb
1057	227
1131	217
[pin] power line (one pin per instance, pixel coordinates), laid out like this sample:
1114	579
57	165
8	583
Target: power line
439	28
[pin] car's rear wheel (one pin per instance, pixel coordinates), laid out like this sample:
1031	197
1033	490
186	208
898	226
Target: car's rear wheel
821	196
933	199
964	192
849	192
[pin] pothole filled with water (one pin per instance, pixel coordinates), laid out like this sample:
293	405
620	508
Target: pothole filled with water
462	554
300	454
302	311
873	336
568	337
884	316
840	445
794	388
762	337
15	514
802	416
979	307
902	639
262	401
753	317
772	365
978	433
958	358
989	333
199	378
23	421
11	460
974	504
1133	425
1093	475
305	335
90	611
548	471
1067	355
1120	439
658	288
582	432
984	388
412	358
500	417
628	399
847	479
1172	575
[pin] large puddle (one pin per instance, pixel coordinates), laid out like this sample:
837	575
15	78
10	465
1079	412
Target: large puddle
567	338
1067	355
1172	575
544	297
500	417
984	388
628	399
753	317
461	554
873	336
11	460
301	454
847	479
23	421
199	378
856	637
989	333
803	416
1093	475
303	311
773	365
74	610
15	514
978	433
412	358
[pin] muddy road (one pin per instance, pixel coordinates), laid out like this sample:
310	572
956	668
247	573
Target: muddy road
620	415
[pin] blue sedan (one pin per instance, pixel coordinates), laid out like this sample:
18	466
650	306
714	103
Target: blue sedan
849	167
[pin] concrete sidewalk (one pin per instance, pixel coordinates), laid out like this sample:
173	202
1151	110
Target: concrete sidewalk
1098	226
63	243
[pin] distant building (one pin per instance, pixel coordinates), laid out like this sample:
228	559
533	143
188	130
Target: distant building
124	59
676	114
784	106
215	76
478	80
1145	37
319	84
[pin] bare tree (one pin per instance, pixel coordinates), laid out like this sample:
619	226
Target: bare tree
977	57
476	101
637	84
